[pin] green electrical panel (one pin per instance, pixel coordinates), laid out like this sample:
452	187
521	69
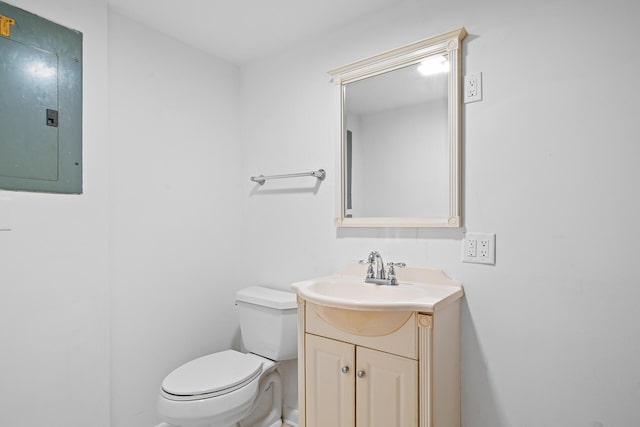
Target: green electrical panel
40	104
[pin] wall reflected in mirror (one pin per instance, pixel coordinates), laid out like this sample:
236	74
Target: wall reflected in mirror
397	142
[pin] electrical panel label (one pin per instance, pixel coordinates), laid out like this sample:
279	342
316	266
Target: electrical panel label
5	25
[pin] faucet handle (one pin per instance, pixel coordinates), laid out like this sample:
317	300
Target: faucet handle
370	273
392	272
396	264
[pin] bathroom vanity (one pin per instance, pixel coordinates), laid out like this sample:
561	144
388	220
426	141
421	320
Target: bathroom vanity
376	355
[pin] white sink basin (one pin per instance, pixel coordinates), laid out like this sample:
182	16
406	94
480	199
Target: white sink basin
420	289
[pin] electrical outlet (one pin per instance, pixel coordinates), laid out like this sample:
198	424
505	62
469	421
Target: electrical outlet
473	87
479	248
484	248
471	248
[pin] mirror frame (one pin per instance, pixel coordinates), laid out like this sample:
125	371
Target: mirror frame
413	53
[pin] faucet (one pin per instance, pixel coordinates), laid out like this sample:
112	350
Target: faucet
380	276
377	258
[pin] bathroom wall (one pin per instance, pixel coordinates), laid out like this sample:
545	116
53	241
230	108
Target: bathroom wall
54	295
416	145
548	334
176	223
168	213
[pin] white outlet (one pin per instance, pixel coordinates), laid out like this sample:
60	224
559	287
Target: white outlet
471	248
473	87
484	248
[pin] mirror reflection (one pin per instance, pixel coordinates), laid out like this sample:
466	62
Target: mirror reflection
397	143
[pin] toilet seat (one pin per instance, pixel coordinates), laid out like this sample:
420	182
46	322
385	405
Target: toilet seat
211	376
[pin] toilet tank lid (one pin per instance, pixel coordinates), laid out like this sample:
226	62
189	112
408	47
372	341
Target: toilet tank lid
267	297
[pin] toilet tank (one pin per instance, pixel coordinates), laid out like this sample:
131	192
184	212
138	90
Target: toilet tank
268	322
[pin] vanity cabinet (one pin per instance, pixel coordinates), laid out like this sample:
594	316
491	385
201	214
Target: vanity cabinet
329	367
348	385
379	356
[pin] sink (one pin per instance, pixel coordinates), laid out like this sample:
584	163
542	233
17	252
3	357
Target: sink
420	289
349	291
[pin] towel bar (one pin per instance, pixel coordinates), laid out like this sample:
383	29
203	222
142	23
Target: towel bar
320	174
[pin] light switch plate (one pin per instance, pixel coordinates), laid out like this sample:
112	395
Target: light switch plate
479	248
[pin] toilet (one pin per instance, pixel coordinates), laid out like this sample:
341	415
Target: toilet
230	388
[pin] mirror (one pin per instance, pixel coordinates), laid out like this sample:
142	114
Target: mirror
400	136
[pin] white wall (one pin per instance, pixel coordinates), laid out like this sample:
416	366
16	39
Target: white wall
54	295
404	148
549	336
176	226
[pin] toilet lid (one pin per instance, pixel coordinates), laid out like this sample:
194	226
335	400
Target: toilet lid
212	374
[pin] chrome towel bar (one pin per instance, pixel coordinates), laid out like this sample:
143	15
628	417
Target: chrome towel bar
320	174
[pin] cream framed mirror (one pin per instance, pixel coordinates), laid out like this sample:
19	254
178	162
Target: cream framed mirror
400	144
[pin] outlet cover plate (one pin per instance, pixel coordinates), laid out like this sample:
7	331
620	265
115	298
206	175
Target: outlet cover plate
472	88
479	248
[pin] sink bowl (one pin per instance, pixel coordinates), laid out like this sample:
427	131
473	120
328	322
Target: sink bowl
343	291
420	289
368	323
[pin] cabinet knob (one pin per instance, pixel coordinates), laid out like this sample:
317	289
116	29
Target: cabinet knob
360	374
345	369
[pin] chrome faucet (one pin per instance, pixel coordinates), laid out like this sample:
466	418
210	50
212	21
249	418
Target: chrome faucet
380	276
377	258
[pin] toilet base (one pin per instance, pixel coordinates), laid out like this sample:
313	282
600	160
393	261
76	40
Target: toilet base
276	424
267	409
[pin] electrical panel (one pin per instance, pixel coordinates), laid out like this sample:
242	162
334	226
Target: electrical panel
40	104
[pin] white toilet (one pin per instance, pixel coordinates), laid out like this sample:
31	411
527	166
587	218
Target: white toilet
230	388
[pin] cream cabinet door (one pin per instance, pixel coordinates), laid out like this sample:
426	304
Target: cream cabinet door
386	390
330	385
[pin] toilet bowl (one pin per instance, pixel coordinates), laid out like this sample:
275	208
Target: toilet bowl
230	388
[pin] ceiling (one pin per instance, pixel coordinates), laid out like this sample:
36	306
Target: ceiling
240	31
